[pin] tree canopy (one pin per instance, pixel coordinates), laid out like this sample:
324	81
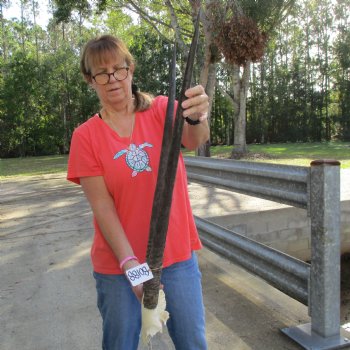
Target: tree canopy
298	87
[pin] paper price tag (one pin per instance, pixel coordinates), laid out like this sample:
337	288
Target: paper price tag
139	274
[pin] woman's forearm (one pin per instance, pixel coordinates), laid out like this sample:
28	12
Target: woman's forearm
107	218
194	136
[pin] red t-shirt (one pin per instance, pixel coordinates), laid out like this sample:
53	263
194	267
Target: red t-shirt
131	176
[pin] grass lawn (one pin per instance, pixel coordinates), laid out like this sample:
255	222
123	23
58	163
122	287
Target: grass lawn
291	153
32	165
284	153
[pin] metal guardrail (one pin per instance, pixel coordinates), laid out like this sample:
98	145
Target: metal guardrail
281	183
284	272
316	189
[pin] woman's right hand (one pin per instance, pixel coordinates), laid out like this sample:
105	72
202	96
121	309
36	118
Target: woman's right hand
138	290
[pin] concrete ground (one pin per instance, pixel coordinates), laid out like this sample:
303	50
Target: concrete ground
47	293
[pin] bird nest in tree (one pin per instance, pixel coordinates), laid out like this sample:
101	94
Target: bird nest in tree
240	40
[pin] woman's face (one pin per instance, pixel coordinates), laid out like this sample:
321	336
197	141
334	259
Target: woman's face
115	93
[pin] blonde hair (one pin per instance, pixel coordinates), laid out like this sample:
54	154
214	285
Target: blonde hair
103	49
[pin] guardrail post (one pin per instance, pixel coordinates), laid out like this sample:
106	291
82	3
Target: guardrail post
325	248
324	292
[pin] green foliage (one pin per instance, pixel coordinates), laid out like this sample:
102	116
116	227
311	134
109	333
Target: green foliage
221	124
152	54
22	117
342	52
64	9
299	92
121	25
42	93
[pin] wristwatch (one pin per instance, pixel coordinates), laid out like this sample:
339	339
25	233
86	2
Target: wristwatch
191	121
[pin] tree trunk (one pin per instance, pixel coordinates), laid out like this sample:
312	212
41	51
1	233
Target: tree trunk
204	150
22	34
65	103
35	32
208	74
4	39
175	25
240	100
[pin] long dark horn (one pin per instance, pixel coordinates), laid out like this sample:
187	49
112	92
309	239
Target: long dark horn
166	178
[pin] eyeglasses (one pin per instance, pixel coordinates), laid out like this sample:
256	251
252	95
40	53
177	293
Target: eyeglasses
104	78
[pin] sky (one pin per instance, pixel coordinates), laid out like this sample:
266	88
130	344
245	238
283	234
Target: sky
42	17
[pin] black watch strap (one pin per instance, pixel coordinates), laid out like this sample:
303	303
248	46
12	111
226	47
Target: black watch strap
191	121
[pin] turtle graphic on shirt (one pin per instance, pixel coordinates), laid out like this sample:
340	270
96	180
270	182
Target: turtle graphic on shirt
137	158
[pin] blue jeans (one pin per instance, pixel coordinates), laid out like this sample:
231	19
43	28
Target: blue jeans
121	311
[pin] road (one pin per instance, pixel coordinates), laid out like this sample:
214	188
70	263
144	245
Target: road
47	292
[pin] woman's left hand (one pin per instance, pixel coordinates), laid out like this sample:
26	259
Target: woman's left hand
197	103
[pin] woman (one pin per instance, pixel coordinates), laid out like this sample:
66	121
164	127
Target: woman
114	156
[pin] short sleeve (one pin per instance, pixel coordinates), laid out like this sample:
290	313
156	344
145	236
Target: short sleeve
82	159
